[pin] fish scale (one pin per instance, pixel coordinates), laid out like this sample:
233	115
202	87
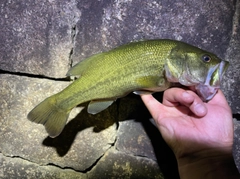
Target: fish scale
142	66
127	67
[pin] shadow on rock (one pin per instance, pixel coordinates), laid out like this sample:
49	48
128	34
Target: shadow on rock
82	121
237	116
128	108
134	108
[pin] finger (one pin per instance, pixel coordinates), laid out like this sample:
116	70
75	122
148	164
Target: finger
153	105
174	96
178	96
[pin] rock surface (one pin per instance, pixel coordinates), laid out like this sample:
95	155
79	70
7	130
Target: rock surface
37	36
117	164
40	41
78	146
19	167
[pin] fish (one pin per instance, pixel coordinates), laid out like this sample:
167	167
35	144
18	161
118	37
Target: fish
145	66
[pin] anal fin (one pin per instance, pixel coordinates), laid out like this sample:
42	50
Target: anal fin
95	107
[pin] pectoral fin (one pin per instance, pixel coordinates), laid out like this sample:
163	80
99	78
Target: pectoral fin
147	81
150	84
95	107
142	92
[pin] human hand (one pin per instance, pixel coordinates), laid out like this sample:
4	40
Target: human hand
195	130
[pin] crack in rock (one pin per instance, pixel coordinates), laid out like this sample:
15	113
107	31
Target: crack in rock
97	161
73	37
134	155
18	167
236	18
19	157
62	168
49	164
33	75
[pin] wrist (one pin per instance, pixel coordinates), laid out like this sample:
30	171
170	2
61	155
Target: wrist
208	164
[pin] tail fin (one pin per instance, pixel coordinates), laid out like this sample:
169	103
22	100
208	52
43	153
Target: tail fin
48	114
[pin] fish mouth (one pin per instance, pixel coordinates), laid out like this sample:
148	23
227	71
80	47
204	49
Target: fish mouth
209	88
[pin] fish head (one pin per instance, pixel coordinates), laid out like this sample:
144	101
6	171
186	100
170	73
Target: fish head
196	68
209	88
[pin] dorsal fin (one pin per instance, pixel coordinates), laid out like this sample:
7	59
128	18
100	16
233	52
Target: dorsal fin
85	65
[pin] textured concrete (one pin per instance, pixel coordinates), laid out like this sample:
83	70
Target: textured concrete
40	41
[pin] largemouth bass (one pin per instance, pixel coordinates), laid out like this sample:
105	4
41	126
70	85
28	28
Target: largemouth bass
144	66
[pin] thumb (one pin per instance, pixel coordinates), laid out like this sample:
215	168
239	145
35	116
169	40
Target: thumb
153	105
159	113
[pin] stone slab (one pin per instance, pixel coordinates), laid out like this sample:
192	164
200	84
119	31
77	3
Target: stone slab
47	37
37	36
133	139
105	25
116	164
84	139
231	82
11	168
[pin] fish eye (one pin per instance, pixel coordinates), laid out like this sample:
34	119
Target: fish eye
206	58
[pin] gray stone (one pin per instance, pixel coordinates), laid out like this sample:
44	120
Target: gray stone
11	168
236	144
133	139
37	36
84	139
108	24
232	79
232	82
47	37
116	164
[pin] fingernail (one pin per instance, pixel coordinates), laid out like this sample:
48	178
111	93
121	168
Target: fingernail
200	109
